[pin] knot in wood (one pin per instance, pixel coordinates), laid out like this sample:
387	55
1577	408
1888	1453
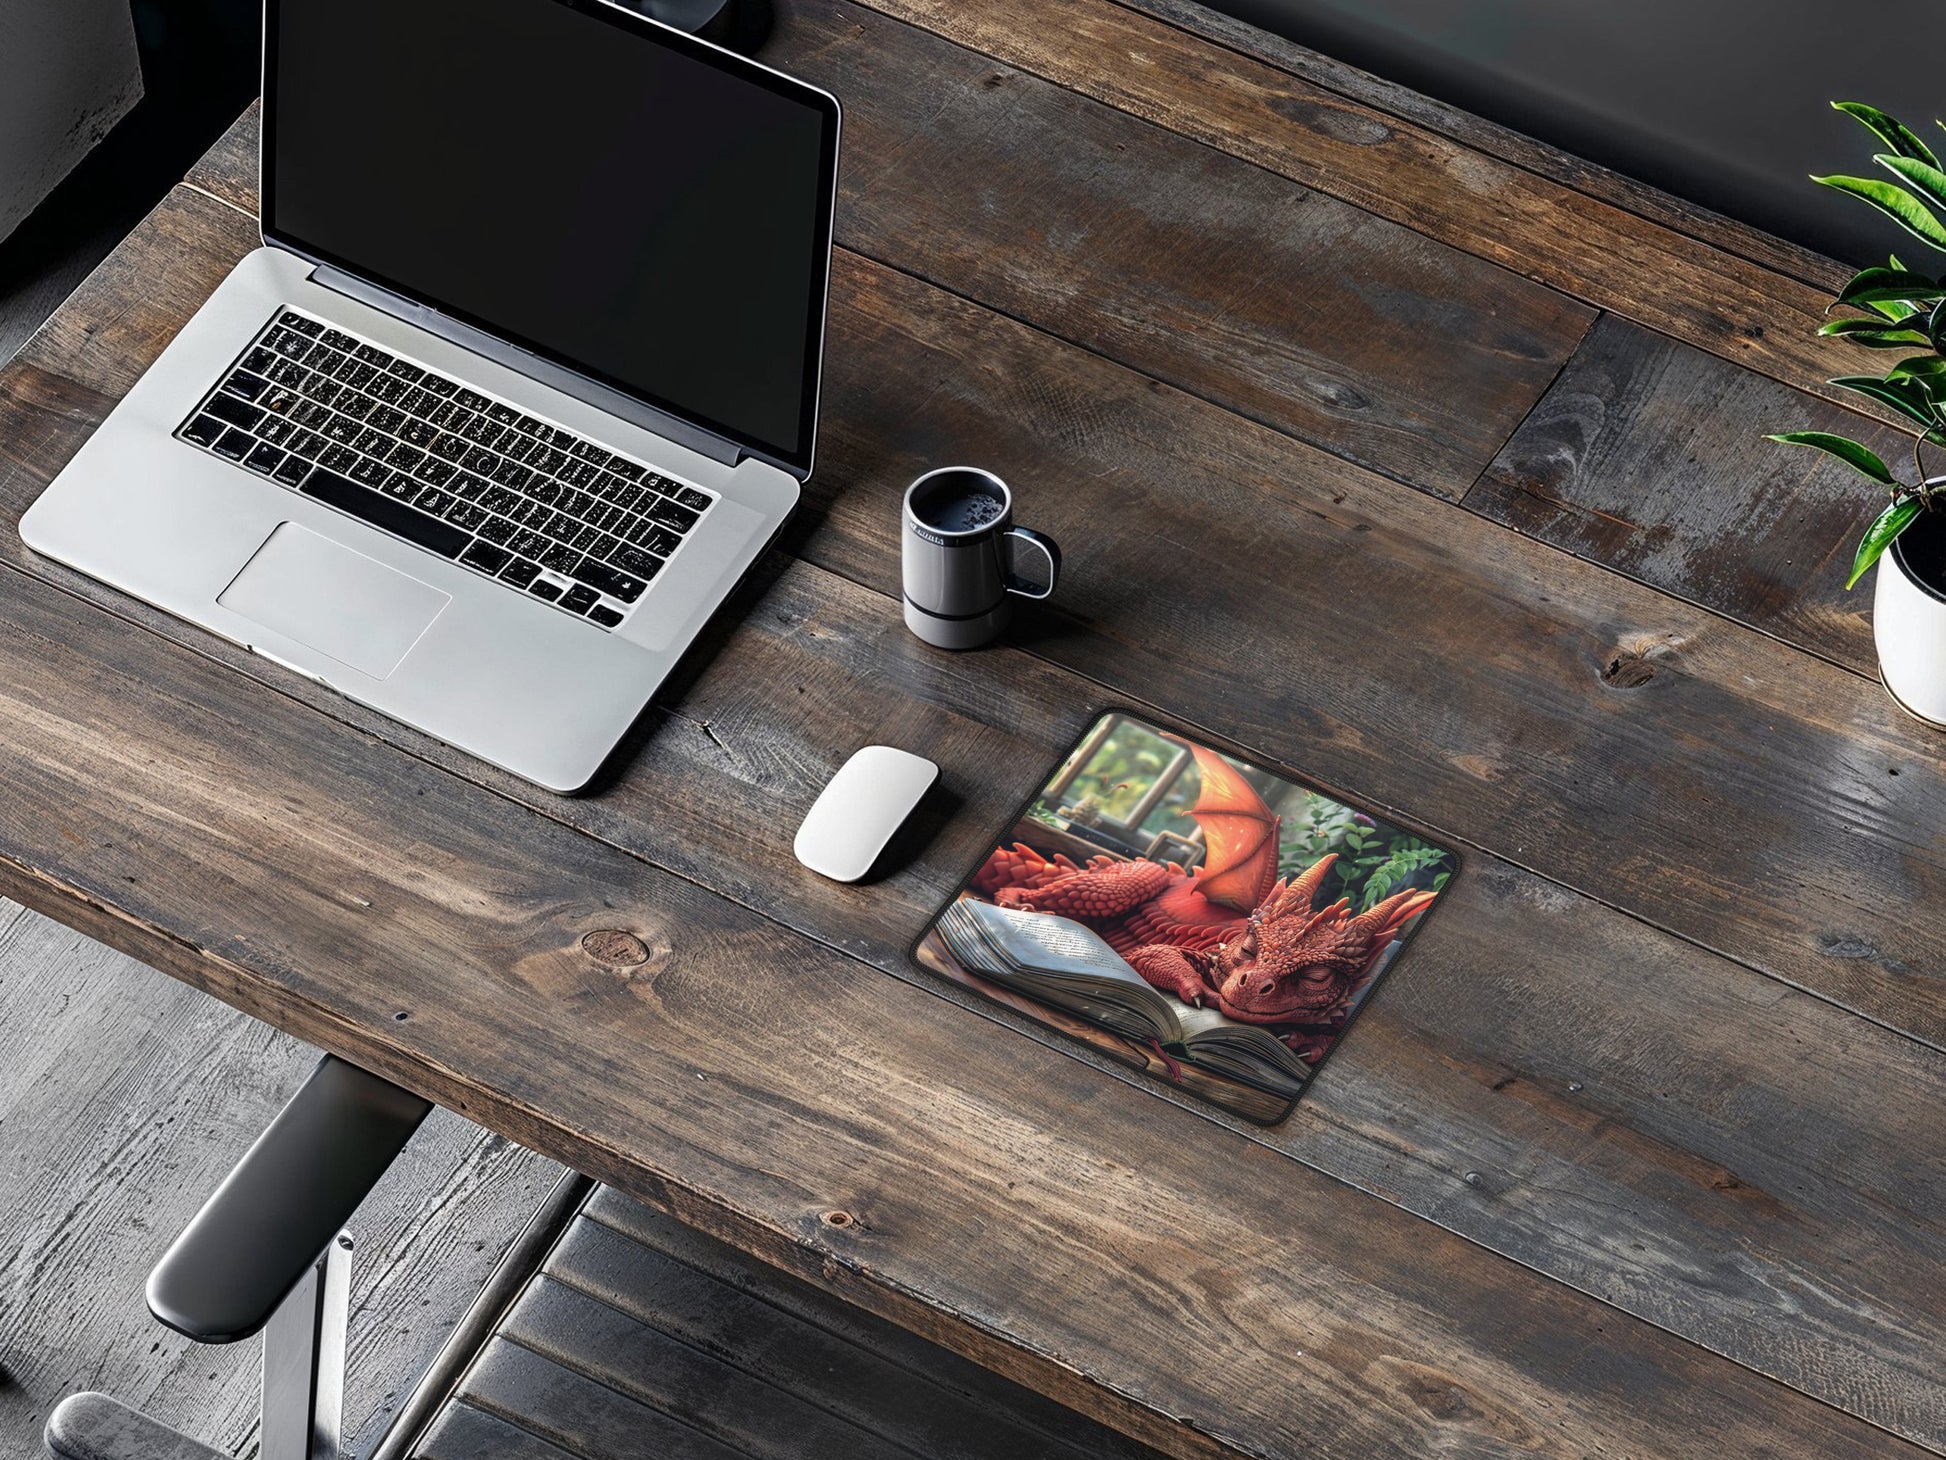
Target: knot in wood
1627	671
838	1219
612	945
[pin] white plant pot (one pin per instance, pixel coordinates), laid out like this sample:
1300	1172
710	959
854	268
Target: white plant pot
1909	620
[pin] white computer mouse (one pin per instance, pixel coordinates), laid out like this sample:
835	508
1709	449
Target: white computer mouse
857	813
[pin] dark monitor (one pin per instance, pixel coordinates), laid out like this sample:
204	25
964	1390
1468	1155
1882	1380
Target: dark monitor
615	196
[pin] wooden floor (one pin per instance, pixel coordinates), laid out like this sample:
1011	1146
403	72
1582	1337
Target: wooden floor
639	1339
124	1098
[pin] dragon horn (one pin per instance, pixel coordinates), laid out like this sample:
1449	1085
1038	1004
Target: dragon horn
1387	917
1300	892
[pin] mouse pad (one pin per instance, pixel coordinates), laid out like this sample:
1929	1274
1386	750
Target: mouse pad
1189	913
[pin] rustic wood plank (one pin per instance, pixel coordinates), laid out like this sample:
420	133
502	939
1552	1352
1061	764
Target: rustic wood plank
1396	169
1184	262
465	1433
1477	134
1647	457
124	1098
597	1340
583	1416
802	681
688	1080
798	1338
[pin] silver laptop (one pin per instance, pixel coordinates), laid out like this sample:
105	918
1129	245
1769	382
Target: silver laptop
521	383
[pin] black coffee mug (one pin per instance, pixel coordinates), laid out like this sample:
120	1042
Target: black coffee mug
963	558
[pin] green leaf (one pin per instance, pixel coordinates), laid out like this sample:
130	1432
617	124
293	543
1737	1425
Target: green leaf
1924	370
1878	537
1892	132
1885	286
1875	334
1906	397
1849	452
1895	202
1924	178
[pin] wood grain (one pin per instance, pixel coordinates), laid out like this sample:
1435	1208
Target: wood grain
1182	261
1382	164
1476	134
1531	704
124	1098
802	679
1647	456
453	961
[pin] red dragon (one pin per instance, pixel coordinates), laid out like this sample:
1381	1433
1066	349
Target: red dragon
1229	933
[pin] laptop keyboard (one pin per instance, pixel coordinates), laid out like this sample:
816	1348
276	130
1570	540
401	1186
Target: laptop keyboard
471	478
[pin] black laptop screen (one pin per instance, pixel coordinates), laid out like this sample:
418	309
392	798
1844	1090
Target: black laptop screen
615	197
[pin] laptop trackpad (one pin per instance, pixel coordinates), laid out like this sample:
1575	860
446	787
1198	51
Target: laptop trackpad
326	597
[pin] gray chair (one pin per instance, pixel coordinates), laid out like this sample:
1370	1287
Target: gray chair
268	1254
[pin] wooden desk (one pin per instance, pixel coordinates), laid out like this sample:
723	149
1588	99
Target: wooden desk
1384	443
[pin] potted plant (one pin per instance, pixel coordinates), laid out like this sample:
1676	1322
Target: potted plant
1901	309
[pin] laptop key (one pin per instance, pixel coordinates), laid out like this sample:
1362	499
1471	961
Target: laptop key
486	557
292	472
264	458
245	384
602	614
203	430
541	588
498	529
634	560
381	511
520	572
338	458
234	412
562	560
303	325
658	540
470	515
694	500
371	473
432	500
578	599
670	514
604	579
234	444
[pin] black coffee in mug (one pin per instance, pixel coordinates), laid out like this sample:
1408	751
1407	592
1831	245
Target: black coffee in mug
963	558
957	509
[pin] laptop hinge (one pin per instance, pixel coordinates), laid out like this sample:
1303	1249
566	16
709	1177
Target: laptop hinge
567	381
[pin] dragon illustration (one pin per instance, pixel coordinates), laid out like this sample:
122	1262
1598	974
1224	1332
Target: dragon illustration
1229	934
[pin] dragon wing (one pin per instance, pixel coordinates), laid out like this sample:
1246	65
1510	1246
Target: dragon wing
1239	831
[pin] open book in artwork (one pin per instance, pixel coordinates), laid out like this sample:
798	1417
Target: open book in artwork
1187	911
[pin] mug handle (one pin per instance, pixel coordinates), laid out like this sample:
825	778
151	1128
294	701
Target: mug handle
1048	549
